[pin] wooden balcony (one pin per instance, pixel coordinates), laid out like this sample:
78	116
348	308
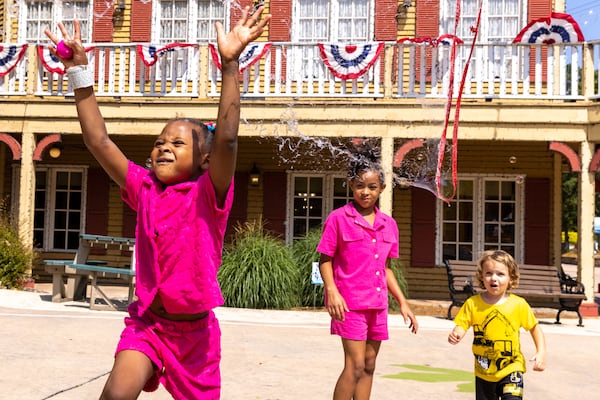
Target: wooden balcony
296	71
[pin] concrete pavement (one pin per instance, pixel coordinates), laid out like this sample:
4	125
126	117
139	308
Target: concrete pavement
64	351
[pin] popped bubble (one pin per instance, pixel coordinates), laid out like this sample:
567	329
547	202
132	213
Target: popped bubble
297	149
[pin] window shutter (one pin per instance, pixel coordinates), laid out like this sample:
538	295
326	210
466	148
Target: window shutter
427	26
102	24
423	228
141	13
385	20
539	9
428	19
281	20
236	12
274	193
537	221
96	210
240	200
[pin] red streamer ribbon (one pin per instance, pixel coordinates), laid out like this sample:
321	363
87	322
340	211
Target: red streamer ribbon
442	148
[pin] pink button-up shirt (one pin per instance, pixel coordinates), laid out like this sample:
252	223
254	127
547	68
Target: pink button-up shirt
359	252
179	241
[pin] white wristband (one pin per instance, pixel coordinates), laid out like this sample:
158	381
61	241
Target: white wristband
80	76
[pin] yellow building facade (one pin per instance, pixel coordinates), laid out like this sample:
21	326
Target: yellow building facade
527	114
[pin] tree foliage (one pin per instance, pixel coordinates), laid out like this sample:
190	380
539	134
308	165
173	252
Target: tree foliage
16	259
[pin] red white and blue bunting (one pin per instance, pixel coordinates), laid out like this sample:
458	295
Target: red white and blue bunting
351	60
149	53
445	40
250	55
50	61
557	28
10	57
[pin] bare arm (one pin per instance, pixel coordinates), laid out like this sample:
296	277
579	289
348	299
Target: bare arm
540	346
336	305
456	335
223	155
95	136
396	292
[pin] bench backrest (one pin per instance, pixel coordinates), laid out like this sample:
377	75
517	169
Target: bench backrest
536	278
533	278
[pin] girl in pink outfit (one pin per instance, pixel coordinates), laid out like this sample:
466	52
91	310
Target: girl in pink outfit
356	247
171	335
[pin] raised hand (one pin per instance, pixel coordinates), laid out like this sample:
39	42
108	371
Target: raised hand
73	42
248	29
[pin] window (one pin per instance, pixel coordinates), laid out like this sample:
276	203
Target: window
189	21
501	20
59	214
186	21
313	197
314	21
46	14
485	214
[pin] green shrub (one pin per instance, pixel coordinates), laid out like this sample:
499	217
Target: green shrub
16	259
400	277
305	253
258	270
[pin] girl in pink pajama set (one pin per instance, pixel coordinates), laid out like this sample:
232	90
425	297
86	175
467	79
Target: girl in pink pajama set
171	335
357	244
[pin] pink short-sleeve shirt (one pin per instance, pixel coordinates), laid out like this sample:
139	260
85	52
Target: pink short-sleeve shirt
179	241
359	252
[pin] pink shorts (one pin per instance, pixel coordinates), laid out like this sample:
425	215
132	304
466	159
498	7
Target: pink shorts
362	325
186	355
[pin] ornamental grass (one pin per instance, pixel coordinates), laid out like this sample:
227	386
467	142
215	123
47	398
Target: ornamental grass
258	270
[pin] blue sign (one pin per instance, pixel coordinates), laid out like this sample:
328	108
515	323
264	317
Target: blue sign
315	275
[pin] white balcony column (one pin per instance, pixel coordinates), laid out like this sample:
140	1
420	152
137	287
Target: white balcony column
585	229
387	157
26	189
588	86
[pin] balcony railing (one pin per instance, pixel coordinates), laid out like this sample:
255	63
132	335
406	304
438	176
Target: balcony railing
408	70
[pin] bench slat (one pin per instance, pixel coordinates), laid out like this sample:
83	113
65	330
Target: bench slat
98	268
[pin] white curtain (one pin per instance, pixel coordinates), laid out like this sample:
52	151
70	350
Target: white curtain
313	20
173	21
45	14
353	22
209	11
332	21
39	17
500	19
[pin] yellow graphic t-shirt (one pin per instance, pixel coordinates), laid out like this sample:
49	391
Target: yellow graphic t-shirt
496	344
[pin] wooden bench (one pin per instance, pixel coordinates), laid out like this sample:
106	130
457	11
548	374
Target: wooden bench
536	283
81	270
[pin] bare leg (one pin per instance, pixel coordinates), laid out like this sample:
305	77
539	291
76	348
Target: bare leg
365	383
130	373
354	366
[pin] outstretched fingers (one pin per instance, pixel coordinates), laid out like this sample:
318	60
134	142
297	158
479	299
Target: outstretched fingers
73	41
254	20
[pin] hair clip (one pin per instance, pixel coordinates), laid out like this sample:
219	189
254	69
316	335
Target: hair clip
211	126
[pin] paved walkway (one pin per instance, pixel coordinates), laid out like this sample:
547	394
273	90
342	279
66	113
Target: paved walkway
64	351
